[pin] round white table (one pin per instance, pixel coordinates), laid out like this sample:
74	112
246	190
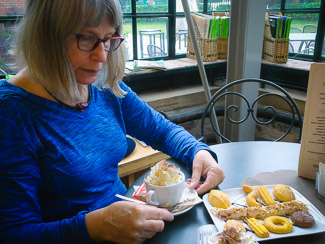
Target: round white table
239	160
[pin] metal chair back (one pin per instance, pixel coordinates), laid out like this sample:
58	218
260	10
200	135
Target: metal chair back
309	28
291	48
291	43
155	51
260	109
295	30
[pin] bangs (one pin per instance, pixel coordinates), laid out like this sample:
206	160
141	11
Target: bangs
98	11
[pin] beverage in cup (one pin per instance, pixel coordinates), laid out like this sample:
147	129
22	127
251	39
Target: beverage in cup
165	184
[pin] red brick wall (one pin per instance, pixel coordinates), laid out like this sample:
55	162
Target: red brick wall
12	7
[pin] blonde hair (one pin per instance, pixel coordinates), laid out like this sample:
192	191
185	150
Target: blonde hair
46	29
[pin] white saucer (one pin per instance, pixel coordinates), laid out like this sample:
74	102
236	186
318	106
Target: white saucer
186	192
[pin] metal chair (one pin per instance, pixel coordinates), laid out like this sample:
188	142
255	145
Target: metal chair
291	49
153	40
179	35
261	109
155	51
301	43
309	28
295	30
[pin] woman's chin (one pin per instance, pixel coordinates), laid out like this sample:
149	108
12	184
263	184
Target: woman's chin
87	81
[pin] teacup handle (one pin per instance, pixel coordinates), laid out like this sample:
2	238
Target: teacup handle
151	198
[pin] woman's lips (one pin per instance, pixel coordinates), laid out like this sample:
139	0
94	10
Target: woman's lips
91	72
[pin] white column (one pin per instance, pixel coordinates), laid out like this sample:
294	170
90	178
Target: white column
244	57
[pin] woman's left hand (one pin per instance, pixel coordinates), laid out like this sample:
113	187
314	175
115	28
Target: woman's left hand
206	166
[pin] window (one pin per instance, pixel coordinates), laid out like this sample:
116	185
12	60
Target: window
157	29
154	20
147	24
160	26
307	27
10	12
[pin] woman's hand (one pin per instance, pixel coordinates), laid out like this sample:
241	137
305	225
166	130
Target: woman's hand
126	222
206	166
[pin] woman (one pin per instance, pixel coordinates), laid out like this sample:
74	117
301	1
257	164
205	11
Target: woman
63	124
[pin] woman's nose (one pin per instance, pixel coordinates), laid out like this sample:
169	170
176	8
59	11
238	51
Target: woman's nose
99	53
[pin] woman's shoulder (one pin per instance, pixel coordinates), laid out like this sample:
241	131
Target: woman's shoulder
106	93
15	102
9	92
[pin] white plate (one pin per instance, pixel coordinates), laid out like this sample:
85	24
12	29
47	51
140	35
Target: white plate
237	195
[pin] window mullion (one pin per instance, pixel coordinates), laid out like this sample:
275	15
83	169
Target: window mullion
134	29
283	4
319	41
205	6
171	31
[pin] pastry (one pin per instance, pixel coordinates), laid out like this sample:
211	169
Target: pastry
265	195
277	224
279	209
283	193
231	223
303	219
257	227
218	199
233	232
251	196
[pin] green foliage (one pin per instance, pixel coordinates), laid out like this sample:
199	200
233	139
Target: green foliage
304	5
220	8
145	25
310	17
157	8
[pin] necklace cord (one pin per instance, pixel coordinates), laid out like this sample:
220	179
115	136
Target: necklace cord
79	106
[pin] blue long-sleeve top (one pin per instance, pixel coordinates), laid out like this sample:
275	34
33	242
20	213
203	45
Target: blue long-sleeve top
57	163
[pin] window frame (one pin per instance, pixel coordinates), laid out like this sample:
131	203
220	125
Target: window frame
319	41
171	15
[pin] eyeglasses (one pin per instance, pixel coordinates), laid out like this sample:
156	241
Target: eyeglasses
89	43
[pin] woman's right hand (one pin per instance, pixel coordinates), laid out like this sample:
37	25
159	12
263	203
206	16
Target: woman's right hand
126	222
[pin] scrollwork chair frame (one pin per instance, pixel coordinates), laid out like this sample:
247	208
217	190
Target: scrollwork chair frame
269	112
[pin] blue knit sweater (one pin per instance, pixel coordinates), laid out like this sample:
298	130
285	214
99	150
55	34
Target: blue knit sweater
57	163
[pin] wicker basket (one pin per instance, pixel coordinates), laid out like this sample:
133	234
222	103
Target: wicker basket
208	47
222	41
221	14
275	50
222	47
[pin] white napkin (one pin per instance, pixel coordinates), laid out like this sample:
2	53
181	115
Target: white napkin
321	179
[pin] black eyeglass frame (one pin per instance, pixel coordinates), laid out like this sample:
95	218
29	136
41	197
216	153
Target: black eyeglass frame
99	40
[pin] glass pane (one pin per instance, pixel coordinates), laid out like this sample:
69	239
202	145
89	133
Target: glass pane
303	32
152	6
195	6
126	6
12	7
181	36
323	48
273	4
127	33
199	4
219	5
7	33
152	37
302	4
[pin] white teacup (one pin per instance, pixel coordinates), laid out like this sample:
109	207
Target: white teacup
165	196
